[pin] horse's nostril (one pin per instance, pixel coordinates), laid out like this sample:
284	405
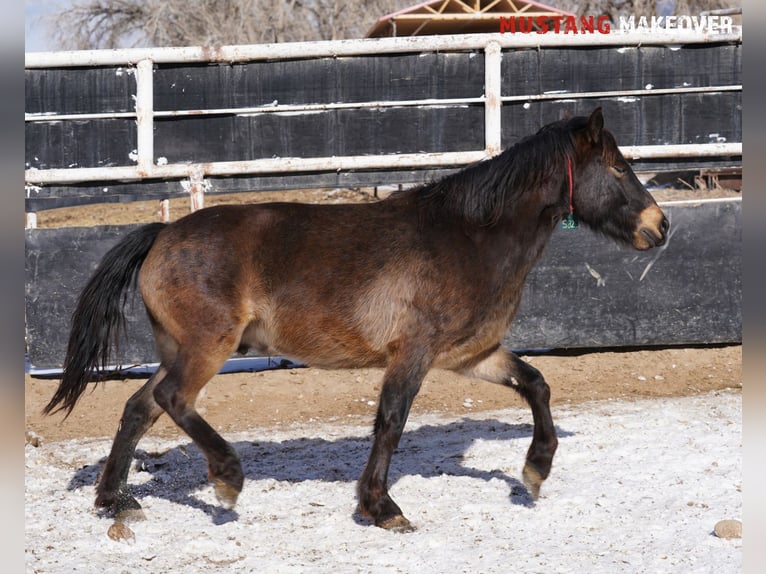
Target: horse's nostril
665	225
651	237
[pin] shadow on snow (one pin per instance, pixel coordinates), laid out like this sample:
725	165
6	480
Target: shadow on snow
428	451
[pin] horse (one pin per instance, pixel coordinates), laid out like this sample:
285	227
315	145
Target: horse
429	277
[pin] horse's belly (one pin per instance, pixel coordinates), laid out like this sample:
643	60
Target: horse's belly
327	346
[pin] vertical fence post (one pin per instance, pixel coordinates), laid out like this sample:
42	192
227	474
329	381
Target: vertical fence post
196	188
165	210
493	56
145	115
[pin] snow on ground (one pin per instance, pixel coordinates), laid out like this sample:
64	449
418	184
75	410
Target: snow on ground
637	486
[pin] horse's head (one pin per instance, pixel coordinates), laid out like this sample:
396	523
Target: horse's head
607	195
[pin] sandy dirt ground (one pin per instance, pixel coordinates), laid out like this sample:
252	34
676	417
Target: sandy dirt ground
239	401
233	402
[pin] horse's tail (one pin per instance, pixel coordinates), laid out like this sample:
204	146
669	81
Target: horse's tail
98	319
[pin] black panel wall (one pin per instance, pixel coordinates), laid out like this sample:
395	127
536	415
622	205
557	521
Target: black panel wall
586	291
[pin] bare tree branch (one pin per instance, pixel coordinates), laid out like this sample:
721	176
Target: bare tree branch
92	24
89	24
617	8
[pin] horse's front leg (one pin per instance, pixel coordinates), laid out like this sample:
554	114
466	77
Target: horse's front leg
506	368
401	383
531	385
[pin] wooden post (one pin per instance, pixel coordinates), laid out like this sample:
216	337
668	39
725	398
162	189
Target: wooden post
165	210
196	189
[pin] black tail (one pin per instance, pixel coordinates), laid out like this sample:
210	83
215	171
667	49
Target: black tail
98	319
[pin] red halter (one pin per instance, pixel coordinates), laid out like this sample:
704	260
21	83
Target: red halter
570	221
571	184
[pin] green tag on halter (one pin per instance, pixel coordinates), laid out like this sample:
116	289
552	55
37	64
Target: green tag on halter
569	221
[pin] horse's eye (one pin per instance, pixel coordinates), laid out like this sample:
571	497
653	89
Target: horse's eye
619	170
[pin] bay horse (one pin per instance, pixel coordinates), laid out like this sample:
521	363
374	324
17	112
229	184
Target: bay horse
430	277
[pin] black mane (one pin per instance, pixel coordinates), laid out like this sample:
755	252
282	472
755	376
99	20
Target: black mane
478	194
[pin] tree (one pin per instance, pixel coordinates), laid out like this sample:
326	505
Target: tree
90	24
617	8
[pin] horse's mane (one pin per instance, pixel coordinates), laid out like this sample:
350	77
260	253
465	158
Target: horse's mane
478	194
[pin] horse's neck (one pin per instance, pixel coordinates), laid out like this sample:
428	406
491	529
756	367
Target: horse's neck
518	242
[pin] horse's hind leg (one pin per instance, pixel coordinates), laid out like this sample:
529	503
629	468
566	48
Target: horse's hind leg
506	368
401	383
141	411
177	393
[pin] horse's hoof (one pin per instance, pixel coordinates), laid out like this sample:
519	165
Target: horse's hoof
532	480
225	493
122	507
119	531
397	524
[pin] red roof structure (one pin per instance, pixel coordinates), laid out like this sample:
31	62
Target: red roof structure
459	17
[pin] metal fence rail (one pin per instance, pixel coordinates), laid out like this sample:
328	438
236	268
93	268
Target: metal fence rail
142	64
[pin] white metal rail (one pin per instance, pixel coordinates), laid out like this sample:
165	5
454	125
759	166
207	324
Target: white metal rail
337	48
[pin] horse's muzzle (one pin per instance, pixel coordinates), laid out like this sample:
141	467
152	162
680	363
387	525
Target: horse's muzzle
652	229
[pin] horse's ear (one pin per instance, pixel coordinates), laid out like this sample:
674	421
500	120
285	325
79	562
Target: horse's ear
595	125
